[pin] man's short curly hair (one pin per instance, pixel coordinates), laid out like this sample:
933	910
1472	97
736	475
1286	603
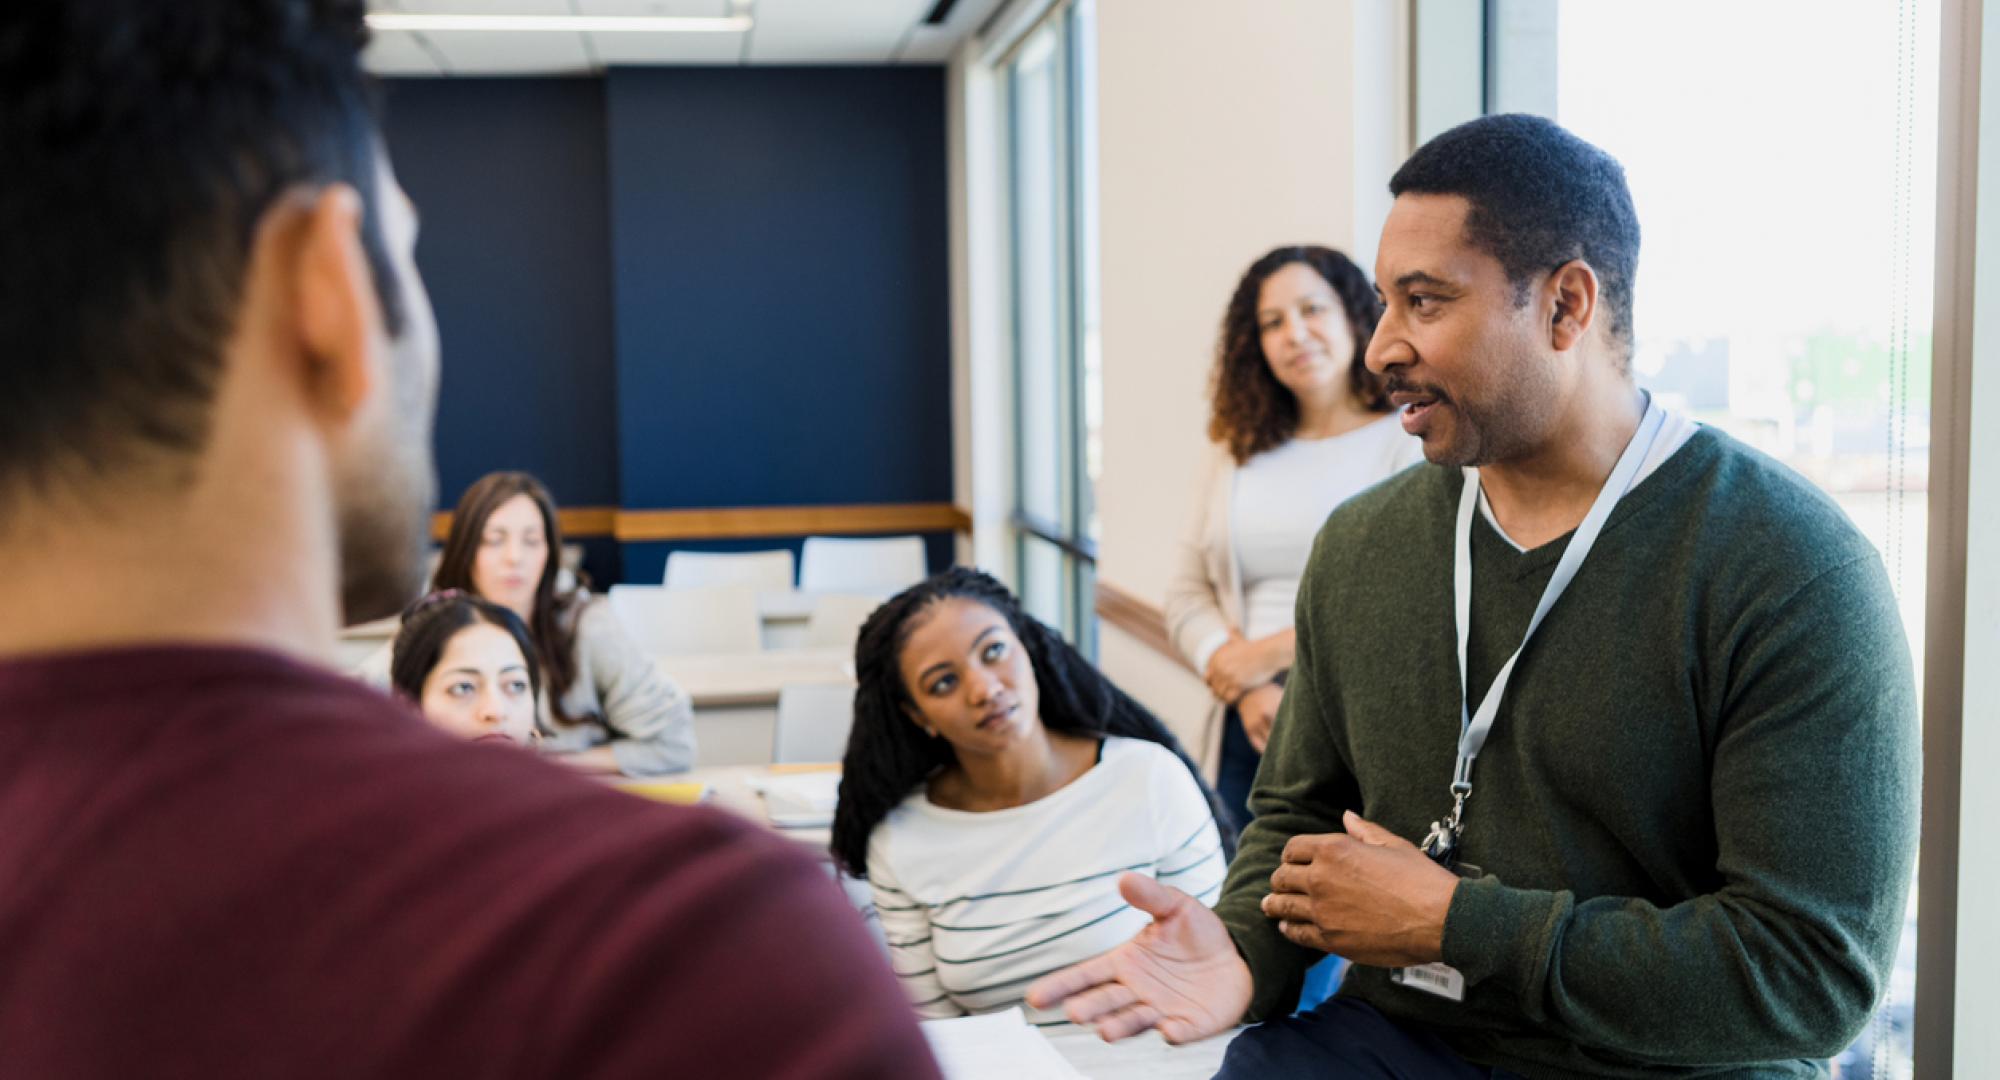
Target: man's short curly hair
1251	411
1540	197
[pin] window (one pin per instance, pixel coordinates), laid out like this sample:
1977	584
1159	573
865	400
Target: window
1057	412
1785	177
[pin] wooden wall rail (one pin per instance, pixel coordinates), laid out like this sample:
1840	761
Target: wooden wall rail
1142	621
731	523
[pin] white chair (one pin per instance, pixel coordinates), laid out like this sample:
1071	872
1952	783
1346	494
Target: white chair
569	570
678	622
885	565
813	721
766	571
836	619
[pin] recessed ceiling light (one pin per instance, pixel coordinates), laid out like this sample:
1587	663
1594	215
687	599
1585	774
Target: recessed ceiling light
596	24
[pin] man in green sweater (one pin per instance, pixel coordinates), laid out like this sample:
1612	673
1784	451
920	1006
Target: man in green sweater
1673	834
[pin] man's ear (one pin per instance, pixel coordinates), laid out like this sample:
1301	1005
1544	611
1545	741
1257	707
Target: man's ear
339	316
1573	290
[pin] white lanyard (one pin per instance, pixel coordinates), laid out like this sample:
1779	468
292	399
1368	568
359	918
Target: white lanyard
1477	724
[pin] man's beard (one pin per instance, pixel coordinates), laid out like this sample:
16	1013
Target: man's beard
382	547
1483	433
385	494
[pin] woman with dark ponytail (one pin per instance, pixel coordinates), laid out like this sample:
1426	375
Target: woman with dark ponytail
995	785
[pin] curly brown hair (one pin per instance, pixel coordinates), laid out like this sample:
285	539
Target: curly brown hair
1253	412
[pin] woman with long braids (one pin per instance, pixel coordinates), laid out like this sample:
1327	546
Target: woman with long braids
995	786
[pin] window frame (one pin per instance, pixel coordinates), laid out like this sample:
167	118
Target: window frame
1068	532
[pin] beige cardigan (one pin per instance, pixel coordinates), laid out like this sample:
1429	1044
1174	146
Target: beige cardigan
1205	594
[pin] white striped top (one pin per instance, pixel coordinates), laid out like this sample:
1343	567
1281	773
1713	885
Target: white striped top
976	906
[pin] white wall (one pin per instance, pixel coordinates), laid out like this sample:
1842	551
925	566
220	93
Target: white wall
1224	131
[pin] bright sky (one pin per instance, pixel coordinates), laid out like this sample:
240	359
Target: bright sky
1760	138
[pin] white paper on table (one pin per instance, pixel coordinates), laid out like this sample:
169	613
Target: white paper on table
799	800
995	1046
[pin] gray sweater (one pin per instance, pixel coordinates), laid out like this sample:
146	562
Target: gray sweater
621	697
1697	811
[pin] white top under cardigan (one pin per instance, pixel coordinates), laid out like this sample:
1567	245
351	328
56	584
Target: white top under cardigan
976	906
620	695
1281	498
1266	512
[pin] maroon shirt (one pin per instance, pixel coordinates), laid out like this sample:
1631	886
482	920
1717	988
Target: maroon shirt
218	862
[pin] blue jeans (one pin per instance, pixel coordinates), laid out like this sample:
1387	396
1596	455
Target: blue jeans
1346	1038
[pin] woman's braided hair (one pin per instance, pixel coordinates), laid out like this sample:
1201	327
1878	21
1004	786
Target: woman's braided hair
888	756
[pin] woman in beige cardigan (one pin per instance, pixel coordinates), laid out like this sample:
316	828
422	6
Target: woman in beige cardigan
1299	426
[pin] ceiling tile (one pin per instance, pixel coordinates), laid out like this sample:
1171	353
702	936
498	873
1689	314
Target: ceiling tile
395	52
667	48
928	45
786	32
488	52
819	32
935	44
476	7
700	9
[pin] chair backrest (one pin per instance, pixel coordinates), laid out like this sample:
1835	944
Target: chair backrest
813	721
885	565
769	571
569	572
836	619
677	622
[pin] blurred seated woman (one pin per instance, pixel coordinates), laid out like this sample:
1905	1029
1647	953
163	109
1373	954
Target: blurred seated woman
603	705
469	666
995	786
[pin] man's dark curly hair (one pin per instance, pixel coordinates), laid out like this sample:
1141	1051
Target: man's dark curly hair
888	757
142	142
1251	411
1539	197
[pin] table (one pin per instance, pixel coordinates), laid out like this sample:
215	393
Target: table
735	695
720	680
729	789
1145	1056
785	613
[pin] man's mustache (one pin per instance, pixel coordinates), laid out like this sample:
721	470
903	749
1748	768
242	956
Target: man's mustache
1397	383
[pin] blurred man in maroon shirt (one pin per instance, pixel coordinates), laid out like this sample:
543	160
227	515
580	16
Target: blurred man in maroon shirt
220	859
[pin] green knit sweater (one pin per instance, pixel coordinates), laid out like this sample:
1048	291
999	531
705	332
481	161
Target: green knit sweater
1697	811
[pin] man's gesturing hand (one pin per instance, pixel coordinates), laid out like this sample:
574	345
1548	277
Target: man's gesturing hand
1368	895
1181	974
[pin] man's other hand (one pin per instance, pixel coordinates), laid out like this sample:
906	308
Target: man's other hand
1366	894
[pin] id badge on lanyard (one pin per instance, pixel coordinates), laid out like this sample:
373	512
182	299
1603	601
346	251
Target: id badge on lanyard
1443	842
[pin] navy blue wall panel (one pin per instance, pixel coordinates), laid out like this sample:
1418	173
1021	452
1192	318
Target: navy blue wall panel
687	287
778	239
509	180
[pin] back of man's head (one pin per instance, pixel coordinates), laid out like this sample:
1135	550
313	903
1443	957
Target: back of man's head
143	141
1539	197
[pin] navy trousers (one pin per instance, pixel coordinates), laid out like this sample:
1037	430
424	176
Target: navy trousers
1345	1038
1237	769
